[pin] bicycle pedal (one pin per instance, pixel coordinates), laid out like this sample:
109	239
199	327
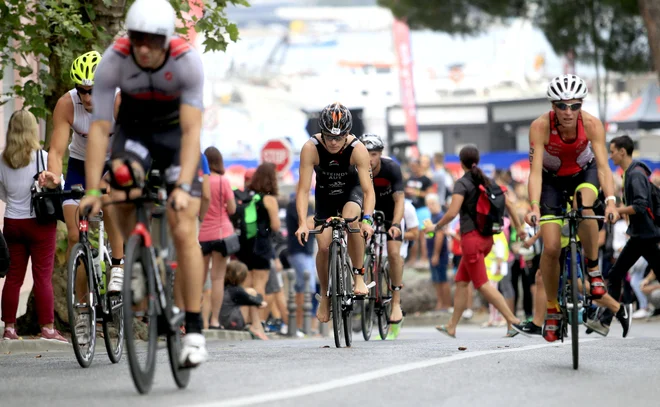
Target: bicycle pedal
371	285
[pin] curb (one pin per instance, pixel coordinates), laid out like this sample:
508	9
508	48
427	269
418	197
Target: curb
230	335
32	345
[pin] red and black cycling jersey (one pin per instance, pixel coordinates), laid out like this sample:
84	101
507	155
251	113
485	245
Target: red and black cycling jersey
565	158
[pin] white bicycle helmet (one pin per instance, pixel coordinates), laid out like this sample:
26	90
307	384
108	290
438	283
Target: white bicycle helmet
567	87
373	142
152	17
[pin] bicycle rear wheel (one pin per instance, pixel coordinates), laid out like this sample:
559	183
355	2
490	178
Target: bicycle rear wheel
139	293
79	306
575	326
347	301
113	323
181	375
334	267
367	306
385	300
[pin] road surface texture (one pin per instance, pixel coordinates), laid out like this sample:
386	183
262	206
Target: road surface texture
421	368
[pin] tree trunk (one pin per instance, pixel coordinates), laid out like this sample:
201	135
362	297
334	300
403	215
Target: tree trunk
650	11
109	18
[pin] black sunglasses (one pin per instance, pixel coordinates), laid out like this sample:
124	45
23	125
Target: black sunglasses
331	137
152	41
565	106
82	91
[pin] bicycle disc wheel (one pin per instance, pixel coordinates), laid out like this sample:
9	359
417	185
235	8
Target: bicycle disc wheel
385	300
347	302
336	293
138	292
181	375
113	323
80	305
574	311
367	314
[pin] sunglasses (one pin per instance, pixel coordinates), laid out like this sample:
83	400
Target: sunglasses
152	41
565	106
331	137
82	91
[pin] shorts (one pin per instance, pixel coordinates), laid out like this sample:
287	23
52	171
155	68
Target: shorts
275	283
473	267
388	225
159	151
75	175
252	261
333	205
553	188
217	246
302	262
439	272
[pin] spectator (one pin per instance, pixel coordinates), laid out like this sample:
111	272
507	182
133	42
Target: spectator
257	252
26	238
240	305
417	186
438	254
215	228
442	178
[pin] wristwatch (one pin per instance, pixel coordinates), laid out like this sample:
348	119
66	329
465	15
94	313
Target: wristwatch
184	187
396	225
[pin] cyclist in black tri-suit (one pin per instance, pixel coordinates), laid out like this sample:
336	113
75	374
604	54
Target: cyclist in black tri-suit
343	179
388	186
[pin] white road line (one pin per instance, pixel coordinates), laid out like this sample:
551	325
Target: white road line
365	377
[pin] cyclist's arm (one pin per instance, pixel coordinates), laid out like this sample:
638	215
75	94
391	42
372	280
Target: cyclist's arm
398	195
360	158
270	202
62	119
537	134
191	116
594	128
307	158
106	82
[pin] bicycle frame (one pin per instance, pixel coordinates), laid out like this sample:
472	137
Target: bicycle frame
375	250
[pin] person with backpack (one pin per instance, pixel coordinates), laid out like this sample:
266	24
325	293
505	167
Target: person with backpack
641	201
257	215
481	203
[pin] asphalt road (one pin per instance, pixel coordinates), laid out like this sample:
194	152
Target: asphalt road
422	367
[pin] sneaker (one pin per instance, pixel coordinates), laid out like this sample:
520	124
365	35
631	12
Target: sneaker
597	284
10	334
625	318
193	350
82	329
553	323
528	328
52	335
641	314
598	326
116	280
468	314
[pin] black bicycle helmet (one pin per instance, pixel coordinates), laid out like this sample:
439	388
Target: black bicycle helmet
335	119
373	142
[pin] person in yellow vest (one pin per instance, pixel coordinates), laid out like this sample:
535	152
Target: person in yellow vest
496	268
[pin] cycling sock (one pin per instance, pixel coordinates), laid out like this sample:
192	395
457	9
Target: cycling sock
116	262
554	304
193	322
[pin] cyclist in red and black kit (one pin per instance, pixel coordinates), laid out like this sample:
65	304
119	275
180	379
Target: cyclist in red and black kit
567	154
388	186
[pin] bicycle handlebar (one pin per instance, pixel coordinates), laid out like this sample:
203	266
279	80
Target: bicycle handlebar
71	194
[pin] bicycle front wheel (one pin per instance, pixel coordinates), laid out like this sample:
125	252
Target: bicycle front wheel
139	294
334	270
81	305
347	301
384	309
113	323
367	314
181	374
575	326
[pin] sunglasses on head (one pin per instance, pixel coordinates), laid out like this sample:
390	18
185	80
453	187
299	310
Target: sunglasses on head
82	91
565	106
332	137
152	41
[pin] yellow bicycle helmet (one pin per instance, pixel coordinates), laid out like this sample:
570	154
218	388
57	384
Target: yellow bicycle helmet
83	68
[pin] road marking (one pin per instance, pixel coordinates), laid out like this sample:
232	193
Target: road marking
368	376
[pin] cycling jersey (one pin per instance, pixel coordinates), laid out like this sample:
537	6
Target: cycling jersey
567	158
388	181
148	120
337	180
80	126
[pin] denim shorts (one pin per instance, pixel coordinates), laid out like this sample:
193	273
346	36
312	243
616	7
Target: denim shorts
301	262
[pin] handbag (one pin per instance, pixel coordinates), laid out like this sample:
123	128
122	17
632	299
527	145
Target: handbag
4	256
47	209
230	244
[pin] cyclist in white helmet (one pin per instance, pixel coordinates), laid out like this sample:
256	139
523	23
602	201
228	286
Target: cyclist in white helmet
567	154
160	118
73	116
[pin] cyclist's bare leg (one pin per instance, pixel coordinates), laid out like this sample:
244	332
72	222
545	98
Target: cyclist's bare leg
191	268
606	301
460	305
396	276
493	296
588	228
114	235
540	301
356	246
551	233
73	235
323	241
